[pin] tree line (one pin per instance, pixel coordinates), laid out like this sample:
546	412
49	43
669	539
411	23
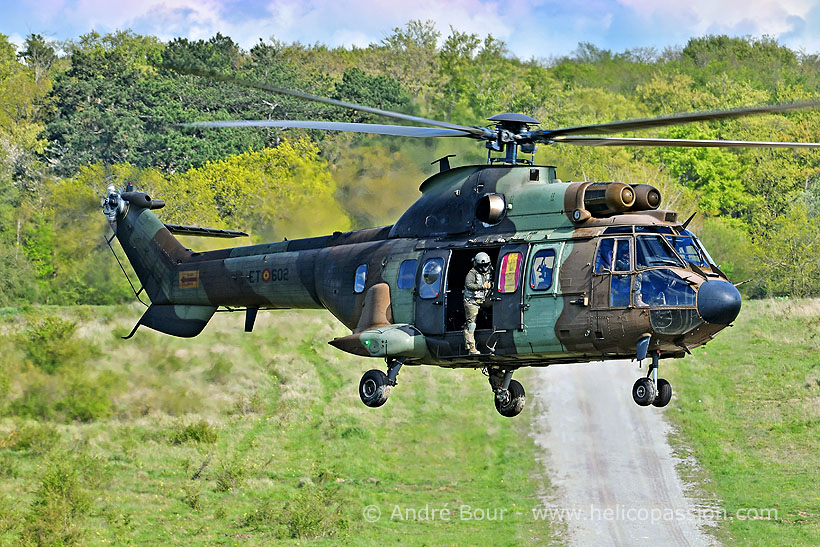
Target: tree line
102	109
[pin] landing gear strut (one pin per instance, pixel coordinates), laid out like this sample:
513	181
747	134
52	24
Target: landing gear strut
509	393
375	385
652	390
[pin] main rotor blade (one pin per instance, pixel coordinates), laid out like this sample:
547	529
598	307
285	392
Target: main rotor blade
630	141
378	129
474	131
674	119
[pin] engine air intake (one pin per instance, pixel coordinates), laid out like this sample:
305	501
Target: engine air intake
647	197
608	198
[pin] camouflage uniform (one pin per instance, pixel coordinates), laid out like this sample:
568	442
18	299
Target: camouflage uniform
475	296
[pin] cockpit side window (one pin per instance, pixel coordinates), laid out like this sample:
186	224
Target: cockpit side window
603	262
617	248
622	259
653	250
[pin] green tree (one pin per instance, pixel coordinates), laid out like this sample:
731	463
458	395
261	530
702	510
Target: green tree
97	102
762	62
376	91
412	56
268	192
39	55
789	254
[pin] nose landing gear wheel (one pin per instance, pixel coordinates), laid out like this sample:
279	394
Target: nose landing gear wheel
510	402
374	388
644	392
664	393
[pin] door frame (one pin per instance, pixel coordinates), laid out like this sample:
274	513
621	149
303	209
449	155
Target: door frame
508	308
430	315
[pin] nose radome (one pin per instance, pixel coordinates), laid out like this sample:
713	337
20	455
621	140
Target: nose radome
718	302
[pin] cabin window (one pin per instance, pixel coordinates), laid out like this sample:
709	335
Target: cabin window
543	264
654	251
662	288
407	274
510	273
430	281
360	279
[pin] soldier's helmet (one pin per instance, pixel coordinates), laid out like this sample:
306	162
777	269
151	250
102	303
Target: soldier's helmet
482	262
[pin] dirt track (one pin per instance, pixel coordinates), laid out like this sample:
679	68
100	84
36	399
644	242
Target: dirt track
609	460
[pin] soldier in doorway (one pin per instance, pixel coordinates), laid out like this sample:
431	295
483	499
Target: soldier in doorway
477	288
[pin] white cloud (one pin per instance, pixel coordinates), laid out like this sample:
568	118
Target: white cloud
758	17
17	40
531	28
340	22
367	21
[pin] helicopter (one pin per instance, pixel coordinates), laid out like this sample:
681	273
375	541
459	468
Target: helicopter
583	271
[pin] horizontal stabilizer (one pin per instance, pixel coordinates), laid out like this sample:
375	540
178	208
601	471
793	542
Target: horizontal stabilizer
203	232
177	320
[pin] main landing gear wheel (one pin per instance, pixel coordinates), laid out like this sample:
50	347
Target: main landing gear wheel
664	393
510	402
374	388
375	385
509	394
644	391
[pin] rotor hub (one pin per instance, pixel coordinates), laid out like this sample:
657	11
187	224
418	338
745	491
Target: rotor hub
112	203
510	133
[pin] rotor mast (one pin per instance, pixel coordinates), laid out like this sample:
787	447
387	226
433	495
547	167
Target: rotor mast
509	128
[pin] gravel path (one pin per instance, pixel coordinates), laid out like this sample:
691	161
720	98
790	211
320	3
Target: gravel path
609	460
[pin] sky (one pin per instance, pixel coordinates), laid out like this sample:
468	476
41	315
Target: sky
531	28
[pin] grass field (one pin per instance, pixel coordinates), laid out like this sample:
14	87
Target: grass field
236	438
748	407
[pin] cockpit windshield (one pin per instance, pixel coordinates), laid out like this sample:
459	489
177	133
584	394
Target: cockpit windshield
653	250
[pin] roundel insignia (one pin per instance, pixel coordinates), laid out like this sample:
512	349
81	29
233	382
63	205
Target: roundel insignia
266	275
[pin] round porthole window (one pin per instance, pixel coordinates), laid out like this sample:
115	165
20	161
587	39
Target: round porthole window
431	272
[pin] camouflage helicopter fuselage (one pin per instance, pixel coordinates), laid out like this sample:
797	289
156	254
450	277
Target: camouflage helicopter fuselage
583	271
575	280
